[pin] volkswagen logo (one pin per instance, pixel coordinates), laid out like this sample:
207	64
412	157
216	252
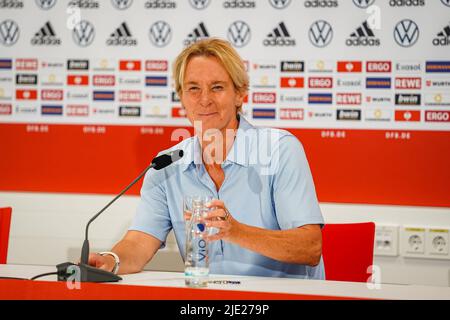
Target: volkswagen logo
363	4
279	4
320	33
83	33
446	2
199	4
9	33
160	34
239	34
406	33
122	4
45	4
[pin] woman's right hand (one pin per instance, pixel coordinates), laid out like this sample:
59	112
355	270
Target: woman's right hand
105	262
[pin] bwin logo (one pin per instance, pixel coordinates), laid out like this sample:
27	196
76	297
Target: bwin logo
160	34
406	33
279	37
122	4
83	33
199	4
446	2
9	33
239	34
363	4
320	33
45	4
279	4
363	36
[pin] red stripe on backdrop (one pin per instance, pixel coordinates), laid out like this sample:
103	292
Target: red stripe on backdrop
363	167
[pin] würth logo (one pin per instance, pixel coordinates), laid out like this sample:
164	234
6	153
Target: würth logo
279	37
46	36
363	36
443	37
197	34
121	37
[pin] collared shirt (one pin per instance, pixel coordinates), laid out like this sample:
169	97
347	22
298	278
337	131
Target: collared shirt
268	184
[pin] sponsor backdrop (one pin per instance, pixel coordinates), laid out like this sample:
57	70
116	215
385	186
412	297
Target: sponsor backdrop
86	96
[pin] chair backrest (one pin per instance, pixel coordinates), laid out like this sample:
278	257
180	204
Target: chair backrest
347	251
5	223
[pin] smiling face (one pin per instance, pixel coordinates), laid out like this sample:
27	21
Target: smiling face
208	94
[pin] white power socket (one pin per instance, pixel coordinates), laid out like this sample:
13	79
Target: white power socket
437	243
386	240
413	242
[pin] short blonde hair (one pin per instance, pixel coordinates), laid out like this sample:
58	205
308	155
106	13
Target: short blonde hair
220	49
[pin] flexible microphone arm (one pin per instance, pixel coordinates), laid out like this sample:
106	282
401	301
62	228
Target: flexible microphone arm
158	163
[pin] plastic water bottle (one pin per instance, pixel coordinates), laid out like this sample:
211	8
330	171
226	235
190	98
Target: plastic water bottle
196	262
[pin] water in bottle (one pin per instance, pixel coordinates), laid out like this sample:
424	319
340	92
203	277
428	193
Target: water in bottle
196	269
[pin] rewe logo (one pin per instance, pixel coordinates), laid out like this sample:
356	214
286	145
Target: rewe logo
408	83
406	33
443	37
363	36
292	114
121	37
197	34
349	98
320	33
279	37
46	36
45	4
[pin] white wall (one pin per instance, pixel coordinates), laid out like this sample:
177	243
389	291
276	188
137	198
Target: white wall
48	229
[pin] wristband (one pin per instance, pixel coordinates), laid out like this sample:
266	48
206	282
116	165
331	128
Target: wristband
115	270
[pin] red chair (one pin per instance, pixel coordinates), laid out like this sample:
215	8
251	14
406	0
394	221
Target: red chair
347	251
5	223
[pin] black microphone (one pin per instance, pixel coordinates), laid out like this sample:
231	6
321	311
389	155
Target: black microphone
92	274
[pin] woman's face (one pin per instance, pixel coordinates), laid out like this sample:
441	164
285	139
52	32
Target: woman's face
208	94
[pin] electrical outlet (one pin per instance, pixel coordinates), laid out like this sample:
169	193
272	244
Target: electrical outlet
437	245
413	242
386	240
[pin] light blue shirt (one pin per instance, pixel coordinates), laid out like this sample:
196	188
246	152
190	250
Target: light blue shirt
268	184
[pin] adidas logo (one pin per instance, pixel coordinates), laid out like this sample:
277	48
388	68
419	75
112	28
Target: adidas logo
121	37
46	36
279	37
197	34
363	36
443	37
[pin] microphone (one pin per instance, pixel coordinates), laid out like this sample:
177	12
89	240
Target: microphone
91	274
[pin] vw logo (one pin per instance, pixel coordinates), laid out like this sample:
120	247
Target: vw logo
446	2
45	4
363	4
199	4
320	33
239	34
122	4
160	34
406	33
83	33
279	4
9	33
